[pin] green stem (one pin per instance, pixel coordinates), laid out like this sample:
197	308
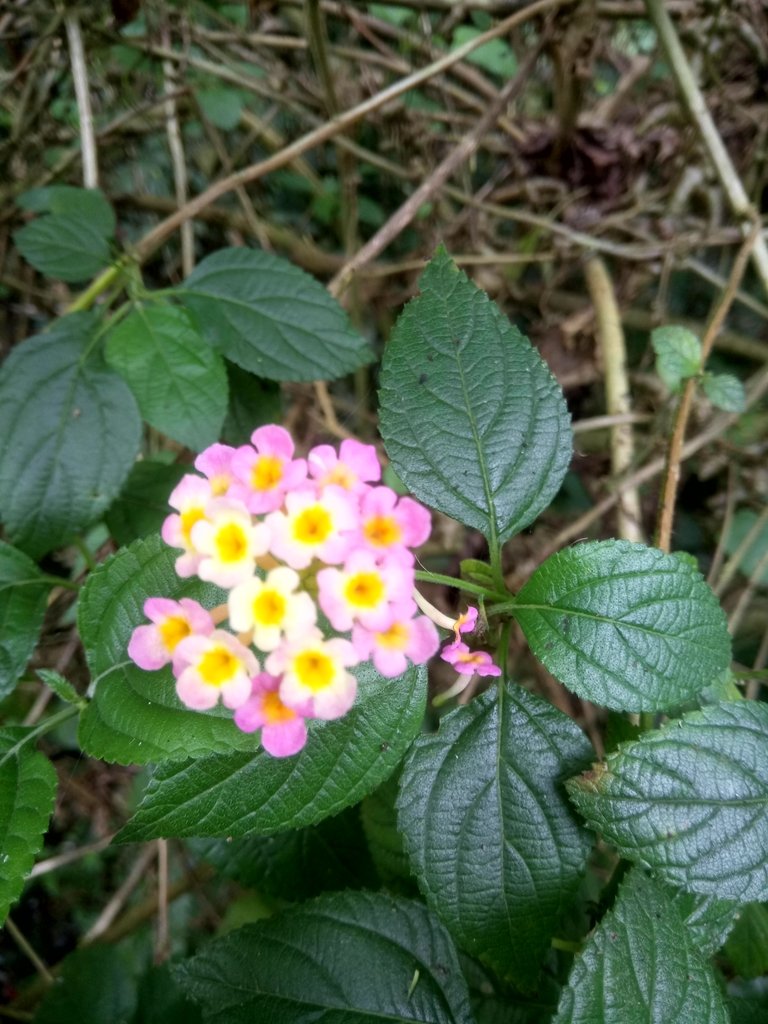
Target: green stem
502	650
47	726
647	721
88	558
424	576
58	581
566	945
105	280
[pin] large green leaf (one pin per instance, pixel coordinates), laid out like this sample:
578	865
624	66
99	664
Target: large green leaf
135	716
271	318
494	844
178	380
23	598
142	504
379	817
88	204
690	801
625	626
747	947
350	958
298	864
66	246
343	761
96	985
641	965
27	794
69	432
252	403
472	418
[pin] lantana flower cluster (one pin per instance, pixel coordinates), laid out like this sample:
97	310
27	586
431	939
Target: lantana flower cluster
296	543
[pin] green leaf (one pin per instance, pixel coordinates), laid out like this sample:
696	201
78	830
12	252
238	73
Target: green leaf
495	56
27	795
623	625
299	864
135	716
744	521
748	1001
678	354
68	247
69	432
708	919
178	380
473	420
238	794
641	965
85	203
161	1001
63	689
492	840
221	106
350	958
252	403
690	801
271	318
724	391
96	986
23	600
385	843
142	505
747	947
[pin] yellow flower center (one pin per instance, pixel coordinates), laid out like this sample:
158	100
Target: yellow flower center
269	608
218	666
313	525
364	589
231	543
267	473
173	631
188	520
219	484
275	711
341	476
382	531
314	669
395	638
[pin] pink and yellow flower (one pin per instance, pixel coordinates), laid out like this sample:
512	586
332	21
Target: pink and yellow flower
190	496
352	468
215	463
315	679
228	542
471	663
391	649
211	667
272	608
313	526
266	471
283	730
367	592
151	647
389	523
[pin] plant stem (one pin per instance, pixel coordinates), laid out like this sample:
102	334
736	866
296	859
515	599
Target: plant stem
611	338
83	97
674	453
46	726
702	119
328	130
451	581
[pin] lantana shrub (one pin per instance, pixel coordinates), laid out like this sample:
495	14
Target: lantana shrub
260	638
